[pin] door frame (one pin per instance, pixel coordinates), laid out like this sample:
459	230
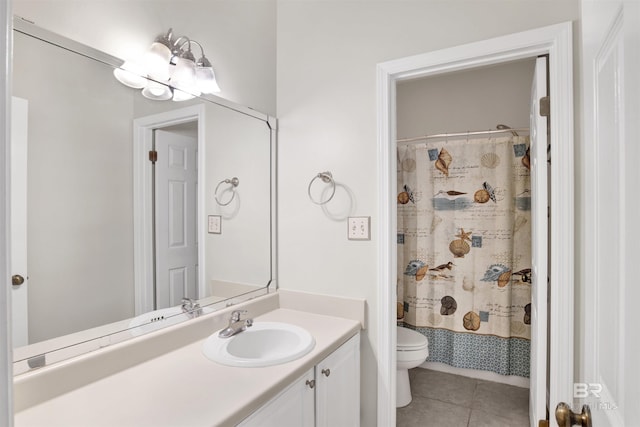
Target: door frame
556	41
143	232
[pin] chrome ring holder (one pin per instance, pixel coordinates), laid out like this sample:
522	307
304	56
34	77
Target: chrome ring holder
234	184
327	178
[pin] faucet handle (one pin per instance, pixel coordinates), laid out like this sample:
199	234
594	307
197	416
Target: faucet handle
235	315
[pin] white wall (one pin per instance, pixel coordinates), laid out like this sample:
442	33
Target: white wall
466	101
238	36
327	54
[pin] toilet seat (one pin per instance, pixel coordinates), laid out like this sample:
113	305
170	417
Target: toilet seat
410	340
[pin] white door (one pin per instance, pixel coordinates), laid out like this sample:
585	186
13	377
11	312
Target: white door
608	375
539	250
19	318
176	218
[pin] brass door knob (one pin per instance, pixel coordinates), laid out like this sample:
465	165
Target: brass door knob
566	417
17	280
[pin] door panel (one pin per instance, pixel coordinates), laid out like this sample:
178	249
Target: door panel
175	218
539	250
19	318
607	369
608	231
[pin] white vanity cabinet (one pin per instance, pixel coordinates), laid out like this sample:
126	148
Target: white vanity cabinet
327	395
292	407
338	387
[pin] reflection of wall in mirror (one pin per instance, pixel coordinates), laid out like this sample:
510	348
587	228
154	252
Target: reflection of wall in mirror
241	254
80	221
236	145
221	289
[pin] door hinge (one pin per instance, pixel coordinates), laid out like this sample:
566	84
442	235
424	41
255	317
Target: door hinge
545	106
153	156
543	423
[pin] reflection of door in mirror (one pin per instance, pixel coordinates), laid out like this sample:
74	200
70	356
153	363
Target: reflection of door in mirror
175	208
19	141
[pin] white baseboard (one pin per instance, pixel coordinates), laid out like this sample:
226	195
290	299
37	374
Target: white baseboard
474	373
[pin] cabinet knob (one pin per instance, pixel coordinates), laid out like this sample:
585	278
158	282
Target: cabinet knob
326	372
311	383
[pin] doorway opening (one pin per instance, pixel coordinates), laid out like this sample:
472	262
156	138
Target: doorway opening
554	41
464	224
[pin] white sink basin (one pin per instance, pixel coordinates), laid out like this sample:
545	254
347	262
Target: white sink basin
263	344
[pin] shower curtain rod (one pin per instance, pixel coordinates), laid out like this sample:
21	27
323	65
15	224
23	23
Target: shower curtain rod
448	135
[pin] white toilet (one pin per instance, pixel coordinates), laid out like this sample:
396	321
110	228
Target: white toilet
412	351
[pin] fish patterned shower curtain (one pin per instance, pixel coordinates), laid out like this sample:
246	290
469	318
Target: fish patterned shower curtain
464	250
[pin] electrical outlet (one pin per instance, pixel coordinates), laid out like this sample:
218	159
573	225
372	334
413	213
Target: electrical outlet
215	224
359	228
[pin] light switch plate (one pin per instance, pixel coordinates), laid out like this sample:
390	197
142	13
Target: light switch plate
215	224
359	228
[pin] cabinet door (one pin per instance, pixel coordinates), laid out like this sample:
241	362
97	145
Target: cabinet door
338	387
292	407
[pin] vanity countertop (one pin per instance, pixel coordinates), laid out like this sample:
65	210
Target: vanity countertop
184	388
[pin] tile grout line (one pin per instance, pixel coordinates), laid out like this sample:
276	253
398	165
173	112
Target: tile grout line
473	396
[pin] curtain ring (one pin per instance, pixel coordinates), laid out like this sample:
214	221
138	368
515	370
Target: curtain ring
234	184
326	177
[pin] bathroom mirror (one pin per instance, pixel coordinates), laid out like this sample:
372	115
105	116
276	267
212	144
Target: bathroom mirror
111	240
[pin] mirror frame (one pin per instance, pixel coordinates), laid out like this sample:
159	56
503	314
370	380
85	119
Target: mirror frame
82	346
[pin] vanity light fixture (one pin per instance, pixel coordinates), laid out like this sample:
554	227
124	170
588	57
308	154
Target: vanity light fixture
169	70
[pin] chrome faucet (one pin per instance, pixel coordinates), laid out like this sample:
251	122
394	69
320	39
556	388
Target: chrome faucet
236	324
191	307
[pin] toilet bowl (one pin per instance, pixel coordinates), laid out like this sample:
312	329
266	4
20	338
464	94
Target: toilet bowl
412	351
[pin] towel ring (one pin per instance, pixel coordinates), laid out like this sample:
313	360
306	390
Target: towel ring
234	184
326	177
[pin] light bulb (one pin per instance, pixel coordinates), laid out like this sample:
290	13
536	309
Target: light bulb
157	61
131	74
183	77
205	77
180	95
183	73
157	91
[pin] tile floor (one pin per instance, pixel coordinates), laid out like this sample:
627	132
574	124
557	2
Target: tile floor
441	399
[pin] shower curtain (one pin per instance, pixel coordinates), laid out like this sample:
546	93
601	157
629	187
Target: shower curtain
464	250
